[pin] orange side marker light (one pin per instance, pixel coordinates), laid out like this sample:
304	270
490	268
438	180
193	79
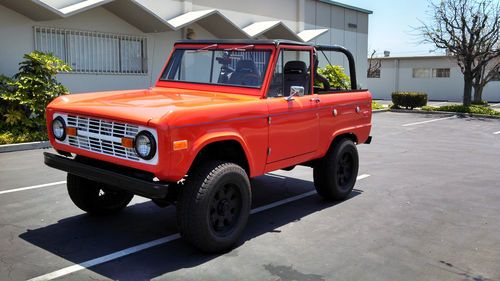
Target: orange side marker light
181	144
71	131
128	142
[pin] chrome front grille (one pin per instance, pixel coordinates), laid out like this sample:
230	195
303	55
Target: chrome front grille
102	136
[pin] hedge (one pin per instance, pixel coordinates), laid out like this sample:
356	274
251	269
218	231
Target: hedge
409	100
474	109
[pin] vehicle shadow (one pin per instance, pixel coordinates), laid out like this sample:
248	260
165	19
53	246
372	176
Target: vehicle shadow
83	237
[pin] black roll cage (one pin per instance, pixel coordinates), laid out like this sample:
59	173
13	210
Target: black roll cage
277	42
350	58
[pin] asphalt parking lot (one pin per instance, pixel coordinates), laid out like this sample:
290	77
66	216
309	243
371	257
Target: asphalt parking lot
426	207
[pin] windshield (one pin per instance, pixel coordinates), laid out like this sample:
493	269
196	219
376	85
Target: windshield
234	67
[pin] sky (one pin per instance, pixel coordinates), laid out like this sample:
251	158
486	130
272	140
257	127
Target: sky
391	25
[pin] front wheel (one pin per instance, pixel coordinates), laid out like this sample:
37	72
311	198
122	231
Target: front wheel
96	198
214	206
335	175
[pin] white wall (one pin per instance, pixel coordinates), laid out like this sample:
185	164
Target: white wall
450	89
17	37
336	19
244	13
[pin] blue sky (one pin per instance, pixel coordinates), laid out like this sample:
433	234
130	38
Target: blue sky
391	25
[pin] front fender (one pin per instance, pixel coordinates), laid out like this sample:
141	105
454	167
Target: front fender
223	136
183	159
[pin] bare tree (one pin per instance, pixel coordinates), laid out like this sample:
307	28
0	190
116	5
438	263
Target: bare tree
487	73
374	65
470	31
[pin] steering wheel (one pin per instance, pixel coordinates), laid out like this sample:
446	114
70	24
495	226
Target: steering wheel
250	79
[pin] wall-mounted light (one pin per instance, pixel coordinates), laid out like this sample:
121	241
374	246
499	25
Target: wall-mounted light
190	34
352	25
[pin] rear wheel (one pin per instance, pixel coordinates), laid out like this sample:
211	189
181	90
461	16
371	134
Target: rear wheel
335	174
214	206
96	198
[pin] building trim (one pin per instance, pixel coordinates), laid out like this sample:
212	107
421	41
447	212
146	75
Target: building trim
342	5
270	29
413	57
148	20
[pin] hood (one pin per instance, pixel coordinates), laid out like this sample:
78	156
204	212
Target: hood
141	106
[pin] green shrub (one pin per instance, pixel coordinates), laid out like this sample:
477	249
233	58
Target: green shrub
9	137
483	103
474	109
24	97
335	75
4	82
409	99
376	105
27	94
429	108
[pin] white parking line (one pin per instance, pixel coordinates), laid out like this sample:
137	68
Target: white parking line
429	121
32	187
496	133
275	176
144	246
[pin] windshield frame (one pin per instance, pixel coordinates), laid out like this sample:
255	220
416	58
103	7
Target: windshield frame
228	88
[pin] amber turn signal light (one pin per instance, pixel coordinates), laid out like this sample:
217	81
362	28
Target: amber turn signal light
71	131
128	142
181	144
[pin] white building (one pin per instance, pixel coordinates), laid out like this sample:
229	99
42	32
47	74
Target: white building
123	44
438	76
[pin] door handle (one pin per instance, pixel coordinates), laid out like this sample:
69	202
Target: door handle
317	100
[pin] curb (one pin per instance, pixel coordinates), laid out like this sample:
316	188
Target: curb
24	146
380	110
461	114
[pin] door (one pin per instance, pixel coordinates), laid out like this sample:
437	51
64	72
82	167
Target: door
293	122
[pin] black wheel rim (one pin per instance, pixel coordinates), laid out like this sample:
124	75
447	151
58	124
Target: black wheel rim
345	170
225	209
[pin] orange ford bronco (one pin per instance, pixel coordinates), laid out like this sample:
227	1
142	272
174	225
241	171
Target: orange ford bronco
221	112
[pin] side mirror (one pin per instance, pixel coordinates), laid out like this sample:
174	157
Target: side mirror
295	91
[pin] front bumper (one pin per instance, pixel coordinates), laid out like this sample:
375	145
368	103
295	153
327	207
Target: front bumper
118	178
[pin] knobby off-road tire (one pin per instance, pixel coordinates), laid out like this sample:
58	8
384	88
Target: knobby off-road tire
96	198
335	175
214	205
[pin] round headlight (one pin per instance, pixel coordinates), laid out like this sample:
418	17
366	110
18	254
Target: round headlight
145	145
59	128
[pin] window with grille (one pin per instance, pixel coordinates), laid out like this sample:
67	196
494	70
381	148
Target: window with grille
375	73
441	72
421	73
94	52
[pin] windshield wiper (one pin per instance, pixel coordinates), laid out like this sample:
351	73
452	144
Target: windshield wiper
206	48
240	49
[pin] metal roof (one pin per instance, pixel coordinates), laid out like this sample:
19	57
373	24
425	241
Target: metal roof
270	29
440	56
152	16
51	9
309	34
335	3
